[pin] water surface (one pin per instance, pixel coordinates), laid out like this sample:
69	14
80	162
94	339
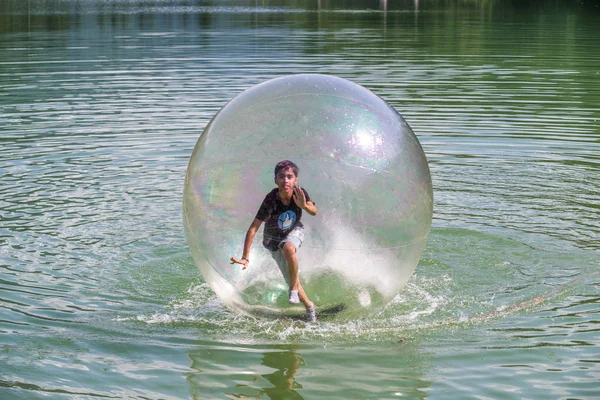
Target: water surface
102	102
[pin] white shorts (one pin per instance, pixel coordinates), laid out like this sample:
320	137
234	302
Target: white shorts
296	237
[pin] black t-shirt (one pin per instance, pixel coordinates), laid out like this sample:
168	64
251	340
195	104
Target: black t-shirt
279	219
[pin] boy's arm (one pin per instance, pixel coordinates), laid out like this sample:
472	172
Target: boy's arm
247	244
300	200
311	208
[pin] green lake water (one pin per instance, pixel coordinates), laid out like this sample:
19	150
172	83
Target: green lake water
102	102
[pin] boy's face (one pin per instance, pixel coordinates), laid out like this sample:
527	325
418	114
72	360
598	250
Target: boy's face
286	180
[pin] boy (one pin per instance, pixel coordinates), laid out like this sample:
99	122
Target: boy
281	211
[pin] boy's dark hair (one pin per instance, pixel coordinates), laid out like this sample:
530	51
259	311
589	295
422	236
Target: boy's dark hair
285	164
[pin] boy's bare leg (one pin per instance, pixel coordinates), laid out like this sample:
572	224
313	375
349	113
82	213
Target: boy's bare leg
289	253
303	298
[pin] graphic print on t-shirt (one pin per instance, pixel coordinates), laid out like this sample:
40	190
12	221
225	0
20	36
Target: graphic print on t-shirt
286	220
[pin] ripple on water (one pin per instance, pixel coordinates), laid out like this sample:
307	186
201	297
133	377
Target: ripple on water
101	108
466	279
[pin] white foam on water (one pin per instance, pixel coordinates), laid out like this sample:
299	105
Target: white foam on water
200	306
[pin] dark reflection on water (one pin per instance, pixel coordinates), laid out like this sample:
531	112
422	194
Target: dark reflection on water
285	365
278	372
273	378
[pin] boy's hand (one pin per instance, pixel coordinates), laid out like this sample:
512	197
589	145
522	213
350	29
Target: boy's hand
299	197
242	261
